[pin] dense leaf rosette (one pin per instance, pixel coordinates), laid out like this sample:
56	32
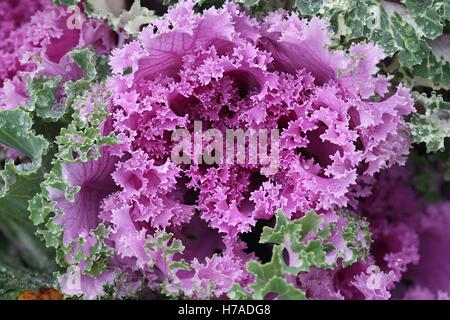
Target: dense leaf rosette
125	217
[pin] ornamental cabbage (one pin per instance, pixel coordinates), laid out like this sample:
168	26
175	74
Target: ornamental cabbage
235	151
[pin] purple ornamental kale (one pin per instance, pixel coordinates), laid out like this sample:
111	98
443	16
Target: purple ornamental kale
339	123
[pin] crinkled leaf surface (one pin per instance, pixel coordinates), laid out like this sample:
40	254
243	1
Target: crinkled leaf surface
43	100
433	127
300	245
18	184
15	280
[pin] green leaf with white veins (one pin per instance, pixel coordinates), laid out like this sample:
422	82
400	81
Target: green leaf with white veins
14	280
95	67
407	29
270	279
433	127
434	71
18	184
43	100
16	132
429	15
301	244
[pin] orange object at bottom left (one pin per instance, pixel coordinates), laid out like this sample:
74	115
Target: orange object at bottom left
43	294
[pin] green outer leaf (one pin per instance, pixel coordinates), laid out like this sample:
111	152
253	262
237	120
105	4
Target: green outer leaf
306	242
168	247
95	67
429	15
80	142
284	290
14	280
42	93
309	7
433	127
9	254
238	293
66	2
249	3
18	184
16	132
405	30
16	226
270	278
434	71
296	229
